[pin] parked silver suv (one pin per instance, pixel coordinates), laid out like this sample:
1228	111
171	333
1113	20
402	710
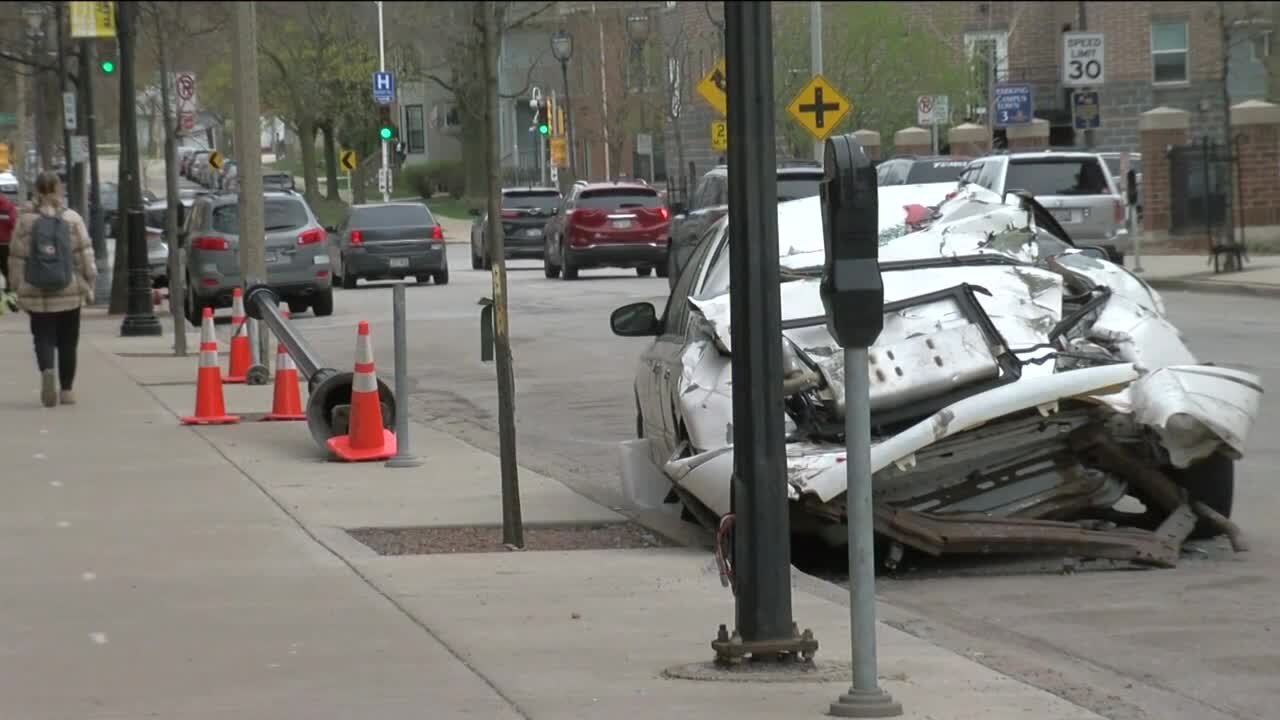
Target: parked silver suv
1075	186
296	253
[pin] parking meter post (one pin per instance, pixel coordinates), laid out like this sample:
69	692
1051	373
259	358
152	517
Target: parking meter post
1135	232
853	297
404	458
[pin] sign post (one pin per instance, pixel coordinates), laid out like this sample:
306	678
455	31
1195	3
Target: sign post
932	111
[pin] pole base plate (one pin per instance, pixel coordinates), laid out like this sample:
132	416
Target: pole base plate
140	326
866	704
733	650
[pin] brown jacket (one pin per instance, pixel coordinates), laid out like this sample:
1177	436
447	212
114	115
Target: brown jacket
72	296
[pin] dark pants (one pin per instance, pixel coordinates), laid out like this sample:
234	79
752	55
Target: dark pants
56	336
4	265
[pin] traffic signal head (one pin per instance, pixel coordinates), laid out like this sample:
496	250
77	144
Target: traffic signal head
108	66
386	130
542	120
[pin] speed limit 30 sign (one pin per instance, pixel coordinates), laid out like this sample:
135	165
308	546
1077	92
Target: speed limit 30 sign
1083	58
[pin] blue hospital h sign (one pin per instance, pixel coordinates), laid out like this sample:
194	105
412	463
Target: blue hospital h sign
384	87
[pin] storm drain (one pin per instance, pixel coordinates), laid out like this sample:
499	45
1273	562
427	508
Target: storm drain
487	539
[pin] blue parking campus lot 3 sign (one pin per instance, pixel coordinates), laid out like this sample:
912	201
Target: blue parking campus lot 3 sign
1013	105
384	88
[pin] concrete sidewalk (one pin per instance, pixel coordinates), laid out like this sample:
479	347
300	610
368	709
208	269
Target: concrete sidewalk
1261	276
187	573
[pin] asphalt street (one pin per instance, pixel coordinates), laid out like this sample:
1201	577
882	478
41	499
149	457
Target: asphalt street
1193	642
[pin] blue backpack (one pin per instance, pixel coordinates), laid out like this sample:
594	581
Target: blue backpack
49	266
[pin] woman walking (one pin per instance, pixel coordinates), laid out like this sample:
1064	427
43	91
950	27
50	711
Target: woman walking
51	267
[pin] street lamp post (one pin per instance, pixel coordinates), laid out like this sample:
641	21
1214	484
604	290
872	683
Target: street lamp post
140	319
562	49
382	66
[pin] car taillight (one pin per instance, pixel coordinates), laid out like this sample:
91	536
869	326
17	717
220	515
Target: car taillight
437	233
664	214
311	237
210	243
355	237
1119	212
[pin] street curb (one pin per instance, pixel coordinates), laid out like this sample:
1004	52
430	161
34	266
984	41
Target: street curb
1215	288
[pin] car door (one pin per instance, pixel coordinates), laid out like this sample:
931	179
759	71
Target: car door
664	357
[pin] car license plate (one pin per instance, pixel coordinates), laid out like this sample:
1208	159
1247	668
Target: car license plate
399	262
620	224
532	232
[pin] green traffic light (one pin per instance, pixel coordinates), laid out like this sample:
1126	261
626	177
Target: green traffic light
385	133
108	67
542	129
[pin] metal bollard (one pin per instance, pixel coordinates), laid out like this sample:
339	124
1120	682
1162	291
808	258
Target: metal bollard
259	373
403	457
329	400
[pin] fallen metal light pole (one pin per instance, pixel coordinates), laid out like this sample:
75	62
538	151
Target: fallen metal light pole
329	401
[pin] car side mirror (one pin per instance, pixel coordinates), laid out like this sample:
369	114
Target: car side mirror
635	320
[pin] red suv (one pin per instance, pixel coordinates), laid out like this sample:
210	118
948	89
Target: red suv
619	224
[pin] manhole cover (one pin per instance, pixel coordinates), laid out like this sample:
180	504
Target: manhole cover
818	671
486	539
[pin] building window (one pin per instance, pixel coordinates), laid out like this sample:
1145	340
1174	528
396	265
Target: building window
1260	46
1169	52
415	128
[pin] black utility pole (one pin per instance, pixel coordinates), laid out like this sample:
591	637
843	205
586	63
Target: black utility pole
140	319
102	290
73	200
762	534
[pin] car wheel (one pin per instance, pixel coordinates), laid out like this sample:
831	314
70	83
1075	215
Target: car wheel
194	308
644	271
322	304
569	272
348	280
442	277
297	307
1212	481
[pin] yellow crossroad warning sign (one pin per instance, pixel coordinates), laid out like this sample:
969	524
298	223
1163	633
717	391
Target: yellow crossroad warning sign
819	108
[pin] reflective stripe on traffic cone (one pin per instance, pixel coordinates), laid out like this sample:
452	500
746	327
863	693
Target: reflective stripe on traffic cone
287	404
241	359
210	409
366	438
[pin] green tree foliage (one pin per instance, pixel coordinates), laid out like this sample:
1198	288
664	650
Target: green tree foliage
874	56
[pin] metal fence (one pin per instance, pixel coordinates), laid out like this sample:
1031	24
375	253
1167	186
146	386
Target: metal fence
1204	197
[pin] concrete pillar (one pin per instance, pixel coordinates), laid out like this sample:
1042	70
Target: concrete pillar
969	140
870	140
1257	124
912	141
1032	136
1158	130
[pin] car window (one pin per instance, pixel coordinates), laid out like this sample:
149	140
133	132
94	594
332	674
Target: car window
794	187
612	198
675	319
277	214
989	175
934	171
1058	176
543	200
717	277
392	216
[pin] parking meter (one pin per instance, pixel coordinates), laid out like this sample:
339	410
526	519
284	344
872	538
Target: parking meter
852	289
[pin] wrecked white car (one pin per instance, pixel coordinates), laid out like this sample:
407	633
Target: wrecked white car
1020	390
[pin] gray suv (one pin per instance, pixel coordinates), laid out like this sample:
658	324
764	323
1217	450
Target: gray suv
1076	187
296	253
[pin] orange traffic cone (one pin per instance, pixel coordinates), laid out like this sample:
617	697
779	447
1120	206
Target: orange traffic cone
288	402
366	438
238	369
209	406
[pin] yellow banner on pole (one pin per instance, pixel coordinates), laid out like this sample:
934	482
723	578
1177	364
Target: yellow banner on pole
93	19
